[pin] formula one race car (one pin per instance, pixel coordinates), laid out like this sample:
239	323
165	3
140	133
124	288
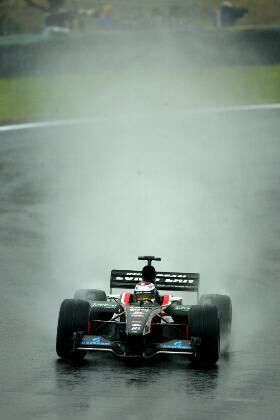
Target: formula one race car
144	323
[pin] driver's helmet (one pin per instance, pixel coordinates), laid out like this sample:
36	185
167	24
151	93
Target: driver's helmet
144	292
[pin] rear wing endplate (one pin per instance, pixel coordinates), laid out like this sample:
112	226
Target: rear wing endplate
127	279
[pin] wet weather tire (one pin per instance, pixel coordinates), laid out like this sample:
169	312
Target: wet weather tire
224	306
204	330
73	317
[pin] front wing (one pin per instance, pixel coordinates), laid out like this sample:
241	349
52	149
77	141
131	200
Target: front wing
87	342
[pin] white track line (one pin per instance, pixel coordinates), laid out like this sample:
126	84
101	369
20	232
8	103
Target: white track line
42	124
60	123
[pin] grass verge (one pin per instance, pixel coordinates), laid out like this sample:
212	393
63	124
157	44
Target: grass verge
29	99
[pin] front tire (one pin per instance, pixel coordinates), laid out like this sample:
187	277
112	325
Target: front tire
73	317
224	306
204	330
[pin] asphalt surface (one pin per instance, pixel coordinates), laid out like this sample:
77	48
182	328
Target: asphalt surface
203	193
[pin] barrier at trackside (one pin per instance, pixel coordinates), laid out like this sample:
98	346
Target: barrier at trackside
208	47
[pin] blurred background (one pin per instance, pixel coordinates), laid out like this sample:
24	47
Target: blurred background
62	58
34	16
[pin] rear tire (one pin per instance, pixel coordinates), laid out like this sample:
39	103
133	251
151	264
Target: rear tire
90	295
204	330
224	306
73	317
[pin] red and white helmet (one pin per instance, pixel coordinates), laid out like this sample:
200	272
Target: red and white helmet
144	291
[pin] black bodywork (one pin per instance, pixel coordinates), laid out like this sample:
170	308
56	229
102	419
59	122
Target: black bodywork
137	330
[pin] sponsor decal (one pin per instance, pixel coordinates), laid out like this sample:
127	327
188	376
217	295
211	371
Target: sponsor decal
135	273
94	341
175	276
162	277
176	345
104	305
135	328
178	281
181	308
137	310
128	277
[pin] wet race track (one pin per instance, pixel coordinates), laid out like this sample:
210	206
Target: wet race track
203	193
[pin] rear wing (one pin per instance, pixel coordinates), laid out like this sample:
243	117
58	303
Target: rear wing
125	279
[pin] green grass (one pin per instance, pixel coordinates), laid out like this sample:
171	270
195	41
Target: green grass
26	99
29	99
20	99
248	84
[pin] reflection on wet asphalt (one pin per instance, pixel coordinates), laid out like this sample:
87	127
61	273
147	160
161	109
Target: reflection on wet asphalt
70	211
